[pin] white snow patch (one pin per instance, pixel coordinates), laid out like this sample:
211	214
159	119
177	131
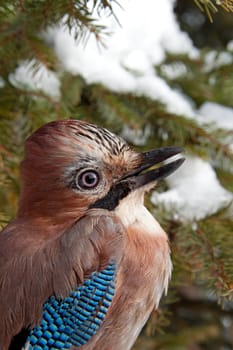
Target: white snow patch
137	137
157	89
195	191
230	46
174	70
220	115
127	64
137	62
39	78
215	59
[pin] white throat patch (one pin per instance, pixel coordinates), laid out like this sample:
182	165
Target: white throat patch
131	211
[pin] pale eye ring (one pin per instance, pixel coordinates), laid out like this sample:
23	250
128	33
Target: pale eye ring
87	179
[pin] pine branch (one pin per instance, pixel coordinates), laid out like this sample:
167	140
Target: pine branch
227	5
23	22
211	7
203	255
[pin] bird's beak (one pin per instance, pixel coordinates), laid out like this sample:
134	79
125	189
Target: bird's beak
140	177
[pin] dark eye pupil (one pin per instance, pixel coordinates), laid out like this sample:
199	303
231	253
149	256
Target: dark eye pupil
88	179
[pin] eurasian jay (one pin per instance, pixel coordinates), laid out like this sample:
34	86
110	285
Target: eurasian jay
84	262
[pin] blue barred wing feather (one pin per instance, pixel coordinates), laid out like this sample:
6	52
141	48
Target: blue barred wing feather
74	320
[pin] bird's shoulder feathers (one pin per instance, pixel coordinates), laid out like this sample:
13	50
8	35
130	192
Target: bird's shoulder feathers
34	266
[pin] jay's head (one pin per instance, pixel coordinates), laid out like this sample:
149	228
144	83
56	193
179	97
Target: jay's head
72	166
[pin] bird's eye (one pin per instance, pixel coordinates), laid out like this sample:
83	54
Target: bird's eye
88	179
